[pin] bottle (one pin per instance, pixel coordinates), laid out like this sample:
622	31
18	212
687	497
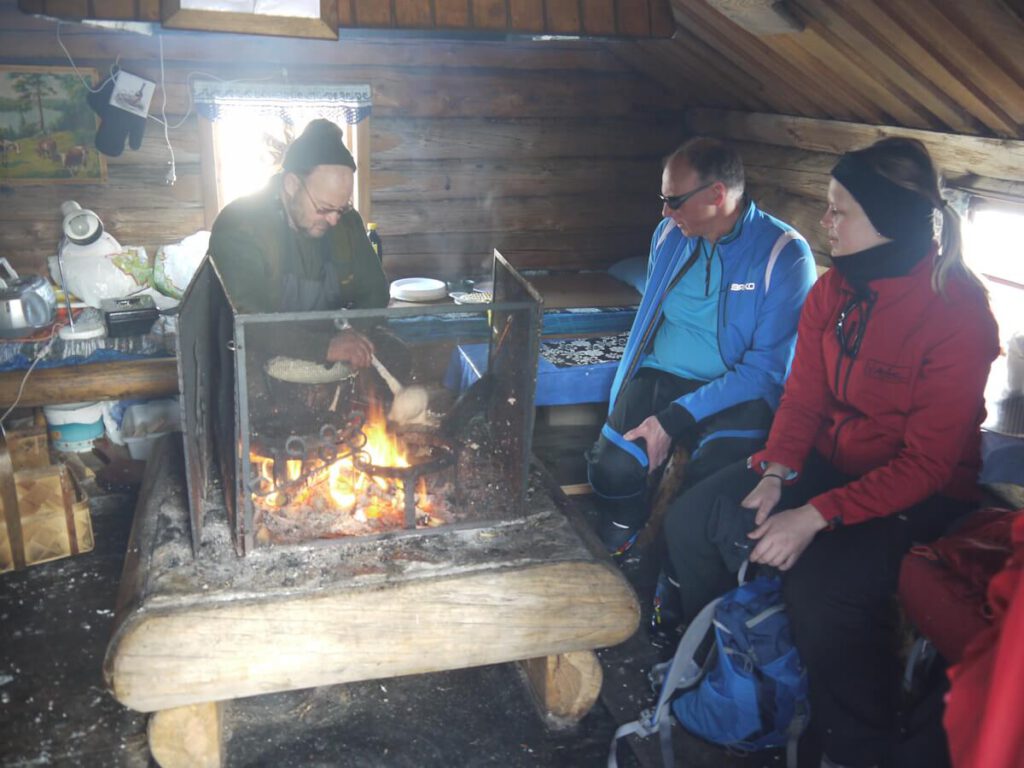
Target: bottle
371	234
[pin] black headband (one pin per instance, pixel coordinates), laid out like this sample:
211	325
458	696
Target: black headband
896	212
322	143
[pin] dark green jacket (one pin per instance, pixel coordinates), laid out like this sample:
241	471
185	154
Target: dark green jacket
269	267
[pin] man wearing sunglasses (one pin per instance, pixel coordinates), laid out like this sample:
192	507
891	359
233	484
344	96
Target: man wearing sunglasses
712	340
298	245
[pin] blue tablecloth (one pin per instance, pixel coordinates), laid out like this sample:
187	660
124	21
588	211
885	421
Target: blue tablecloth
569	371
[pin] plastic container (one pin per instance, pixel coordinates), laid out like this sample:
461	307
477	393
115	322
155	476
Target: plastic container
144	423
74	427
374	238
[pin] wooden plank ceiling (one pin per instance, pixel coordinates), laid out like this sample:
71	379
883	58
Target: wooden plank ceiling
941	65
598	18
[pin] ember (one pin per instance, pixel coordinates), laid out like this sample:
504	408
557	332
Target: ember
361	493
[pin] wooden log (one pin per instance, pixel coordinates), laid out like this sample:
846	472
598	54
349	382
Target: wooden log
221	627
92	381
564	686
188	737
468	139
442	179
544	214
955	154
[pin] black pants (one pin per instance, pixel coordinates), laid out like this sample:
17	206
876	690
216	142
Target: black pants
838	597
620	480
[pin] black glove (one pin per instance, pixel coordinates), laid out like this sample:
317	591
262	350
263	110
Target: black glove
116	124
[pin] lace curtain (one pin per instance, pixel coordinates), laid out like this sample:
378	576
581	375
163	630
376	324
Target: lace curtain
291	103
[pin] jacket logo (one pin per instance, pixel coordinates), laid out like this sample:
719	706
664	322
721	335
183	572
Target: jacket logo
894	374
743	287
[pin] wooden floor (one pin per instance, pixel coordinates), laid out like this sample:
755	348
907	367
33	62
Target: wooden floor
54	709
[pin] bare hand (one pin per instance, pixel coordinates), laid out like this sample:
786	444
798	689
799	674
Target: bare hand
784	536
350	347
657	440
764	498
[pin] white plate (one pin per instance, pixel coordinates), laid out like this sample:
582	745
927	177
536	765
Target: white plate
418	289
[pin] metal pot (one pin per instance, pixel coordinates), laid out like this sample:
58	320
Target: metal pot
26	303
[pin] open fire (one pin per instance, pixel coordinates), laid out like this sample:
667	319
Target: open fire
357	487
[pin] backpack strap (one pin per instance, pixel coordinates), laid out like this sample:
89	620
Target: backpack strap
682	672
796	728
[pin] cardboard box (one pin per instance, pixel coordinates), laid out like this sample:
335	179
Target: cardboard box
29	443
50	518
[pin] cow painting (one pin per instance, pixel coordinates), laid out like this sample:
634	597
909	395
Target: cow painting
74	159
47	148
8	148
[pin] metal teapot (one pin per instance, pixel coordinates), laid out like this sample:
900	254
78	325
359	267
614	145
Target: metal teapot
26	303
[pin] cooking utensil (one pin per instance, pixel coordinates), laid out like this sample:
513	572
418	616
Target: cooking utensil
409	404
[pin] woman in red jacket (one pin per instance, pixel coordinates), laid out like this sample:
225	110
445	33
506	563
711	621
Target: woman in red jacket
875	444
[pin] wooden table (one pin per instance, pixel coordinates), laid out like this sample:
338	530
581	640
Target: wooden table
190	633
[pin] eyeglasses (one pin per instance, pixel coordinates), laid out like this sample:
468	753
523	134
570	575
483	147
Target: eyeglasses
339	212
675	202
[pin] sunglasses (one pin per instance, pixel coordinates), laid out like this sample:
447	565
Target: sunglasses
675	202
323	211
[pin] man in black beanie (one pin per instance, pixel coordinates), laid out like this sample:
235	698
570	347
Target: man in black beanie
298	245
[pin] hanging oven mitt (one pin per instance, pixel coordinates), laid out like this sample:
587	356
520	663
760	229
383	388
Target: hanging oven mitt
116	124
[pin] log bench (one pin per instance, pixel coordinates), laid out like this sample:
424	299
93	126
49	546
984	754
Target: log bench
192	632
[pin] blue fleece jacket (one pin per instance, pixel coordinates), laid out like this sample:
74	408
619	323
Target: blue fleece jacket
759	305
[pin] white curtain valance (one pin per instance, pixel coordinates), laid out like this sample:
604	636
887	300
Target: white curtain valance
338	103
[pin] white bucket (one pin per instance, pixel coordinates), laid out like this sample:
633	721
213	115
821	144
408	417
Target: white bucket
74	427
145	423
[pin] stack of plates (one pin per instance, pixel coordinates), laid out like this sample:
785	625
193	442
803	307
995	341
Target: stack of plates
418	289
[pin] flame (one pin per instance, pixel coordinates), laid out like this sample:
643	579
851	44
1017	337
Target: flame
350	490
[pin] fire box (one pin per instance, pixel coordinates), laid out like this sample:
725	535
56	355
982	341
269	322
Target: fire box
297	450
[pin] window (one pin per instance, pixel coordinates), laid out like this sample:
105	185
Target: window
992	236
248	127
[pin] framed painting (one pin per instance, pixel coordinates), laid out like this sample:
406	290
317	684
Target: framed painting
47	129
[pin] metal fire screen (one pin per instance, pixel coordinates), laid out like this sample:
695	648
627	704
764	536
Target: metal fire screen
297	450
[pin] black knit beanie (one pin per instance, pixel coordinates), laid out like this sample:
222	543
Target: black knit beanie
322	143
896	212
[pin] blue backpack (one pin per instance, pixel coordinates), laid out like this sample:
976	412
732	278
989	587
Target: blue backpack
751	693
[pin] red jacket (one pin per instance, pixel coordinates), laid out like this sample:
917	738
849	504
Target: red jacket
984	716
903	416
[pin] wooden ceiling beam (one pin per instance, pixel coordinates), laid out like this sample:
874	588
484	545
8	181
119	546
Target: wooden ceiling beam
260	51
899	35
759	17
956	154
847	102
651	61
887	67
748	76
782	82
824	45
701	62
995	91
680	64
994	27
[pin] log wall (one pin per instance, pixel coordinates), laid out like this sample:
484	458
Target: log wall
548	151
788	161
